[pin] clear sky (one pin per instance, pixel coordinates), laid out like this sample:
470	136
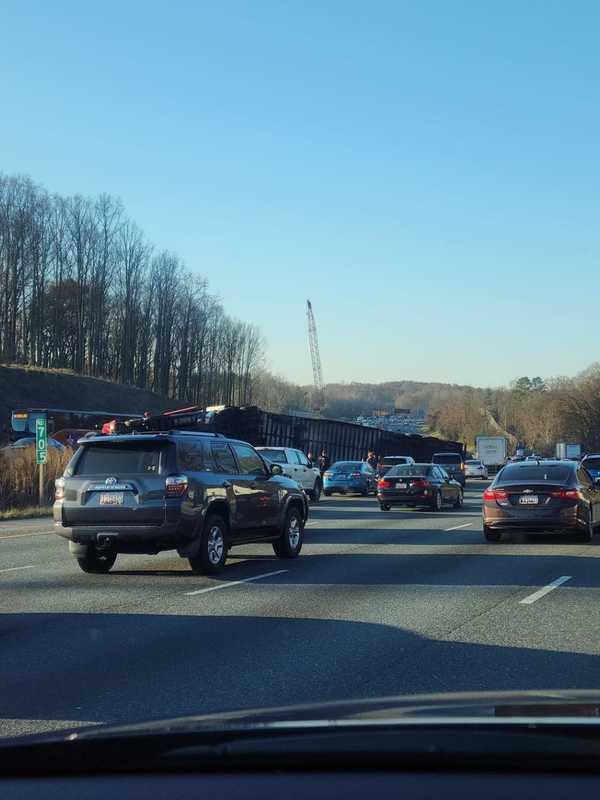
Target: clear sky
427	173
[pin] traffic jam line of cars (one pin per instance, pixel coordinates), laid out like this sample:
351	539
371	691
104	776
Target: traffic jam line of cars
201	494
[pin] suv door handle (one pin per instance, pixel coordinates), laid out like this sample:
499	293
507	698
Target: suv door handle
226	484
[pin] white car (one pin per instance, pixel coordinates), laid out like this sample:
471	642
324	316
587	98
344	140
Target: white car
387	462
475	469
296	466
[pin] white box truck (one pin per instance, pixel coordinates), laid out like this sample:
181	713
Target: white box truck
566	450
492	451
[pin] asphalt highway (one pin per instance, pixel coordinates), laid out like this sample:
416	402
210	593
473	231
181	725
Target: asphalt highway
379	603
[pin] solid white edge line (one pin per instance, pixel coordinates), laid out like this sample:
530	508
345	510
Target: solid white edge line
236	583
457	527
14	569
531	598
23	535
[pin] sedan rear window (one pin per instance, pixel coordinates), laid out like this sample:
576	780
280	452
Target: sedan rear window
409	470
551	472
346	466
395	460
446	458
472	463
120	459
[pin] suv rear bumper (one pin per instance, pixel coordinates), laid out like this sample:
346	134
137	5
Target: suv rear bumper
144	539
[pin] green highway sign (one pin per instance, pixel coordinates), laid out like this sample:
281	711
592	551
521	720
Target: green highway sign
41	441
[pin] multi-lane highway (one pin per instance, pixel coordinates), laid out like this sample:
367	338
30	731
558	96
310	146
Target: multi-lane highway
378	603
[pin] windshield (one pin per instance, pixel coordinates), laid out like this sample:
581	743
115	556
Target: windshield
276	456
120	459
344	467
446	458
265	253
408	470
542	472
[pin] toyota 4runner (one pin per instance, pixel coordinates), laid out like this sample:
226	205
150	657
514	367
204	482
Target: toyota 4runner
198	493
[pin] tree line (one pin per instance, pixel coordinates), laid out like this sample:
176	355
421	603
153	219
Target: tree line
532	412
82	288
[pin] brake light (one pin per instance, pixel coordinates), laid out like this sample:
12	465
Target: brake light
495	494
176	485
383	484
566	494
421	483
59	489
109	427
462	466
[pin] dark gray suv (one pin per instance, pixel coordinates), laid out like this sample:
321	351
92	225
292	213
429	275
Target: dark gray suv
198	493
454	465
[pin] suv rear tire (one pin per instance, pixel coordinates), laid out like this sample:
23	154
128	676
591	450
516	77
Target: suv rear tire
289	543
213	547
96	562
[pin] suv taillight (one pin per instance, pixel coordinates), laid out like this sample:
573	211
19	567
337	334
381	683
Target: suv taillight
59	489
176	485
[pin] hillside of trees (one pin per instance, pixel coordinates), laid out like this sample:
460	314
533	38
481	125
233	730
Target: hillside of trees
82	288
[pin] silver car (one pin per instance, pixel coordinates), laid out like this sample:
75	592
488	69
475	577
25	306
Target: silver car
474	468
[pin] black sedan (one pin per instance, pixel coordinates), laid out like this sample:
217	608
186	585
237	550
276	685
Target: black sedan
542	497
418	485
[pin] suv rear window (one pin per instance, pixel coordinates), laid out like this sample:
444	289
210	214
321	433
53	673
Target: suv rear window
552	472
446	458
118	459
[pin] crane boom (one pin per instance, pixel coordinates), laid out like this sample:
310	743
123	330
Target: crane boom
313	341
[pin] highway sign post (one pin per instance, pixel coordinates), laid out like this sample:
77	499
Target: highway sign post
41	454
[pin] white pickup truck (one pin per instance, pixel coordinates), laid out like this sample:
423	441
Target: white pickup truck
296	466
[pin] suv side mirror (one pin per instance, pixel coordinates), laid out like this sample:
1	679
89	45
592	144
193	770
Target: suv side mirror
276	469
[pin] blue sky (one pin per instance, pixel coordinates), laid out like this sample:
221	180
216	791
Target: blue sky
426	173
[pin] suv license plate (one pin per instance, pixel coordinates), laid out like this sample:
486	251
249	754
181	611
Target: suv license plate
111	499
528	500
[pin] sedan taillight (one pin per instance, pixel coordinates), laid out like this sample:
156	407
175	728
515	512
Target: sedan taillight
176	485
495	494
383	484
420	483
566	494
